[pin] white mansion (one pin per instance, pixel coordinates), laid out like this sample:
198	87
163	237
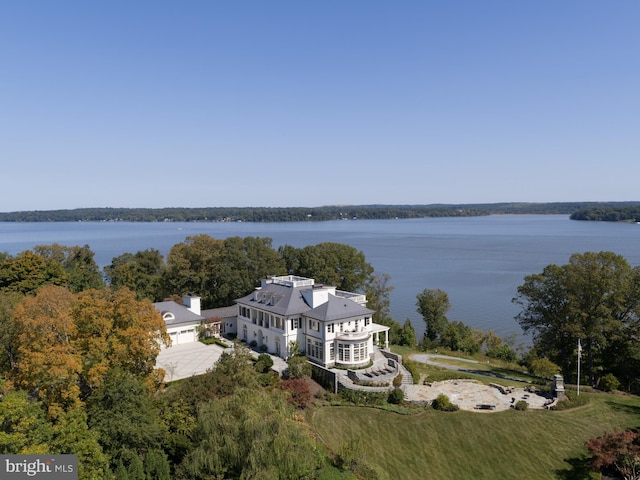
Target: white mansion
333	328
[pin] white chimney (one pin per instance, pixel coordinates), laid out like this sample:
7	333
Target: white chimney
192	302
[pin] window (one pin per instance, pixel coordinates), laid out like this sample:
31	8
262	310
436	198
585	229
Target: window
332	351
314	348
367	321
314	325
331	328
343	353
295	323
244	332
360	352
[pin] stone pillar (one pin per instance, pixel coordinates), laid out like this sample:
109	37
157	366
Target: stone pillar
557	387
386	340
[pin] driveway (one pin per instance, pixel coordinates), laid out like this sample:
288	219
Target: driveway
195	358
187	359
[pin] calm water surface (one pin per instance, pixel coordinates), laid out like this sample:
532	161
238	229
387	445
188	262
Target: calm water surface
478	261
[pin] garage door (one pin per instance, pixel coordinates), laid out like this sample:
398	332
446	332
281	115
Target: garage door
186	336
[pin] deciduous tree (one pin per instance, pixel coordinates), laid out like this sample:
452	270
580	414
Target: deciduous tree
249	436
8	330
378	291
48	363
594	298
190	265
433	305
28	271
23	427
141	272
78	262
331	263
123	413
115	330
617	450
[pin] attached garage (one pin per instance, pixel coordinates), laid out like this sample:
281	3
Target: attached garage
181	320
186	336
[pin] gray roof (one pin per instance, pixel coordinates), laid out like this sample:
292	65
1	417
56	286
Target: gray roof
222	312
181	313
280	300
337	308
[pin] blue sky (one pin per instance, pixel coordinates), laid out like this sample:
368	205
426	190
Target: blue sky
300	103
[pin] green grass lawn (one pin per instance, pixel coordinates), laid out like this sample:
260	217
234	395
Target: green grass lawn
536	444
482	363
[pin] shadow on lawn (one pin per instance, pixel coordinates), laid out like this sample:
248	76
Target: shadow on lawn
494	374
578	470
623	407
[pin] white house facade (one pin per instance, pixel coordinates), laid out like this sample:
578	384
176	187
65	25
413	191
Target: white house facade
333	327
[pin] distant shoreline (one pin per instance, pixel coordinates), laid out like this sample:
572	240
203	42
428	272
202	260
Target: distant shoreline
604	211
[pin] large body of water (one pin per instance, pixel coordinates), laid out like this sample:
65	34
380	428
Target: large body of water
478	261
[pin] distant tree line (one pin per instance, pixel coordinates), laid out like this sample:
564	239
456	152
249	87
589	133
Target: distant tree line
629	213
302	214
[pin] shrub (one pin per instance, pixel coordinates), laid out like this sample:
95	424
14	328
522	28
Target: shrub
299	367
443	404
264	363
300	394
543	367
521	405
412	367
573	400
396	396
504	353
397	381
359	397
253	344
608	383
268	379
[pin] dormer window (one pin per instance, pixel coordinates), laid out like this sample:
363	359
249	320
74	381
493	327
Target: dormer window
167	316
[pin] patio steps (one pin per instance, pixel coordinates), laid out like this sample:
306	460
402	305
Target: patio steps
407	379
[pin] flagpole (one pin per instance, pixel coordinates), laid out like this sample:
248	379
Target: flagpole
579	357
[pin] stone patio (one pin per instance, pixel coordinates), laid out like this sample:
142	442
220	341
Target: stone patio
469	394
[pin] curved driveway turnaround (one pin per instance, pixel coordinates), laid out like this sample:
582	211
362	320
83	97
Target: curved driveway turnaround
427	358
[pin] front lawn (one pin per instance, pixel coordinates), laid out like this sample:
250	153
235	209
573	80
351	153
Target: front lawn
536	444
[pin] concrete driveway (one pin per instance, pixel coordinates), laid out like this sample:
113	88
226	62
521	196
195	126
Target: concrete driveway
187	359
195	358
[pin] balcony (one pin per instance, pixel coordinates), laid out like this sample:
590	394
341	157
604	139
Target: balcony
354	336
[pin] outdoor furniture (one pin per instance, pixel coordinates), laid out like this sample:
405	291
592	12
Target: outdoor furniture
485	406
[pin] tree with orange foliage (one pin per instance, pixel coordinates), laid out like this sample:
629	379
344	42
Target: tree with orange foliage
68	343
115	330
48	363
